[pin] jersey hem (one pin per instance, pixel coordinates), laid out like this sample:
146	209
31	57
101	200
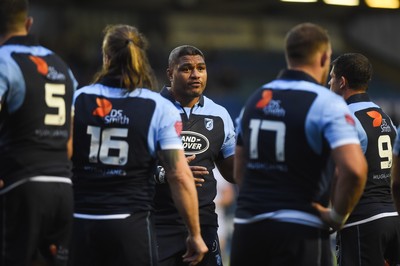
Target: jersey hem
290	216
372	218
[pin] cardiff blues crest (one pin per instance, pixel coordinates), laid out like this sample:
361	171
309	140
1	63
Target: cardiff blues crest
209	123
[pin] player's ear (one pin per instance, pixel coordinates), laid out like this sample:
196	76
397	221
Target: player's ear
343	82
169	74
28	23
325	59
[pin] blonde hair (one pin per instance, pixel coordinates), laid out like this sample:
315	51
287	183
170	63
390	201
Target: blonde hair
124	49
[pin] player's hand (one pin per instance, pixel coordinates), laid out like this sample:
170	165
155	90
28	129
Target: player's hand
197	171
195	250
326	217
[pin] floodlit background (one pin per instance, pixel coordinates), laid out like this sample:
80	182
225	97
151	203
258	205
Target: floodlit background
242	40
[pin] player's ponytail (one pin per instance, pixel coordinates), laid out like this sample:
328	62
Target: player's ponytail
125	59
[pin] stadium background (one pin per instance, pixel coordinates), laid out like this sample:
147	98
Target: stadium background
242	40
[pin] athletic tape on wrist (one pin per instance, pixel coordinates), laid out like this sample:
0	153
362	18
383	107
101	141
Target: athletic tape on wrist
160	176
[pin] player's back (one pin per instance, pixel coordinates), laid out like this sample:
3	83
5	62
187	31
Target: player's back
35	111
287	129
115	135
377	134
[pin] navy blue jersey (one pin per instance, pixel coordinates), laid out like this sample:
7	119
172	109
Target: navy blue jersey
116	137
36	89
287	129
208	132
396	146
377	134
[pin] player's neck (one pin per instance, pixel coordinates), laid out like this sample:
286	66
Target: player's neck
350	92
7	36
188	102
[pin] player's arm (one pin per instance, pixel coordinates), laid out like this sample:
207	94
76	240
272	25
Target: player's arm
225	167
396	181
239	165
184	194
198	173
70	143
351	176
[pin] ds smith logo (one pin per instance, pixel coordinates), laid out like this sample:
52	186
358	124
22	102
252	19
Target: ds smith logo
194	143
111	116
44	69
379	121
270	106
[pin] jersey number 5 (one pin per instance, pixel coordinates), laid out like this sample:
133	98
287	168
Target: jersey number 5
54	99
102	142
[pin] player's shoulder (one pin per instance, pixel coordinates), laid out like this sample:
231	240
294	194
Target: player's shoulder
214	108
324	95
145	93
88	89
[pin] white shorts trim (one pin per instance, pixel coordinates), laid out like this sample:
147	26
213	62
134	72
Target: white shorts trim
290	216
57	179
372	218
101	217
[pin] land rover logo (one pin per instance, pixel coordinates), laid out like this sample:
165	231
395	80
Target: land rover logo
194	143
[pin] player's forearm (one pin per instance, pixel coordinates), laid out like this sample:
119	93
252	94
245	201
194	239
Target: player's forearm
350	187
350	181
183	190
184	194
70	143
225	167
395	186
239	165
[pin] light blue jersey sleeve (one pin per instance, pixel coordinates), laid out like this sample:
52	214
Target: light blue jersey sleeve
362	135
3	83
168	125
331	116
12	82
214	109
228	147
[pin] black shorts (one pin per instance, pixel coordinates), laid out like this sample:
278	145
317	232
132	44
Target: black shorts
129	241
275	243
34	216
370	243
172	245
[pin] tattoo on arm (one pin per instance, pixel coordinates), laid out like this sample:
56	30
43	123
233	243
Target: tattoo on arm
170	158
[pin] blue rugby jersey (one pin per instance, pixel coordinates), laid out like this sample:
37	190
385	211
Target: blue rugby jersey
208	132
377	134
116	137
36	89
287	129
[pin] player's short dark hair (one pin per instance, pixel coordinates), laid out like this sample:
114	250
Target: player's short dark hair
303	41
355	67
12	13
183	50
